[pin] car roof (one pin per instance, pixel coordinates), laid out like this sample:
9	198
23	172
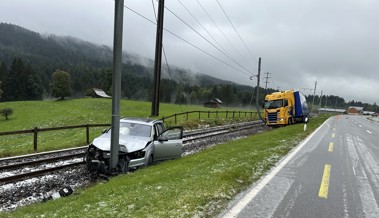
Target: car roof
140	120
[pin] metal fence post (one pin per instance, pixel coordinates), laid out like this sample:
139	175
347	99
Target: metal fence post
175	119
226	114
87	133
35	131
199	114
209	113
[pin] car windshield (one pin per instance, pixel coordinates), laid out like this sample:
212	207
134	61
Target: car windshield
273	104
134	129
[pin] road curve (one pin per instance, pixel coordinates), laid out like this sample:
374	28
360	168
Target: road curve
333	173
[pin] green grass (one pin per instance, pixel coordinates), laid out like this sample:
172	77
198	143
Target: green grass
45	114
198	185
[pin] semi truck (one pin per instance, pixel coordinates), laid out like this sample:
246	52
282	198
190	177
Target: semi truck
285	108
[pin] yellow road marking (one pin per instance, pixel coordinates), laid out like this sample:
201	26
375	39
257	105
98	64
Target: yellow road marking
324	187
333	135
331	145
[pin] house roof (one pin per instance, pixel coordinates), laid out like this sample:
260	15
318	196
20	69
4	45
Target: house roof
101	93
356	108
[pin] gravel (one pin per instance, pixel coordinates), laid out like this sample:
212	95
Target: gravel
45	187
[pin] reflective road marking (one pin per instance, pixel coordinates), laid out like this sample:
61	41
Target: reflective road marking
331	145
369	131
333	135
324	187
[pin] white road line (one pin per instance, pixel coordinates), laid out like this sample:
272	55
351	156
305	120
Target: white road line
360	125
243	202
369	131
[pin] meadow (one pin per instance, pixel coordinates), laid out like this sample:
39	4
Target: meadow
57	113
198	185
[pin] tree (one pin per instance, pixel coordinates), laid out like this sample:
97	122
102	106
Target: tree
60	84
1	91
13	82
6	112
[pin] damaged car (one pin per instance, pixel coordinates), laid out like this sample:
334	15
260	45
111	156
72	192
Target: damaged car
142	142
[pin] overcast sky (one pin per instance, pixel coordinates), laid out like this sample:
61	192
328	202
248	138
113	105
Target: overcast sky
333	42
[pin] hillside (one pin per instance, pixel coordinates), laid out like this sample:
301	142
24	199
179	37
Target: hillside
89	65
68	53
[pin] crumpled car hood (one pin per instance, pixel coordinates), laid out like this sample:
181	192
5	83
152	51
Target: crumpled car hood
132	143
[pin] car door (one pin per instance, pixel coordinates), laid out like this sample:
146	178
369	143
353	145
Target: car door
168	144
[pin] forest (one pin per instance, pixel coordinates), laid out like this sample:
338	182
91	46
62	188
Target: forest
28	60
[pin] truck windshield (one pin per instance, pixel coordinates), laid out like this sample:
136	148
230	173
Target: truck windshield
273	104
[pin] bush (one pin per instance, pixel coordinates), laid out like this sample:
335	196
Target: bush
6	112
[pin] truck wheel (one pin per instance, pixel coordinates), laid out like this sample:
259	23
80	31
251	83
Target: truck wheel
289	121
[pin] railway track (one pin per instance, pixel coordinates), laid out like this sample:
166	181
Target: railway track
27	166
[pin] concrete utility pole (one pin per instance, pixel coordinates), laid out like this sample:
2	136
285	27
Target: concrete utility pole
116	82
314	93
320	98
258	81
158	60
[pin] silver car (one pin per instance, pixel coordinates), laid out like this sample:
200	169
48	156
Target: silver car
142	142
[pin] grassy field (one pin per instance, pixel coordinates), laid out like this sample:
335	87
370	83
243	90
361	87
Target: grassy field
45	114
198	185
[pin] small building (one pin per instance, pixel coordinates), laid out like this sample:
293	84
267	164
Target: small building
98	93
213	103
354	110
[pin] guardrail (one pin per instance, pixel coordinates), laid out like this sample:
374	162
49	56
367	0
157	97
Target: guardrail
228	114
36	130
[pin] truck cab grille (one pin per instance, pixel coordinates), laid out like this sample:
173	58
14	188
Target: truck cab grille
272	117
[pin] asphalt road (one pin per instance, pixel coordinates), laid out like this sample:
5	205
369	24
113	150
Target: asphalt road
333	173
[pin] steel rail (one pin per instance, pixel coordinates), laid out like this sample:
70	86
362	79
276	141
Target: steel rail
14	178
198	135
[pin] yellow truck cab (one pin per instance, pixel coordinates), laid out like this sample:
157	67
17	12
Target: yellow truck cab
285	108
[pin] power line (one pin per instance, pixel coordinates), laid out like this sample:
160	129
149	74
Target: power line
214	39
207	40
235	29
222	32
191	44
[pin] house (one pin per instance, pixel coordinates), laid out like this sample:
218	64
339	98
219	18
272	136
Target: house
98	93
214	103
354	110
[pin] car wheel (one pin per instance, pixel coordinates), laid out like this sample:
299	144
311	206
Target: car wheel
150	161
123	164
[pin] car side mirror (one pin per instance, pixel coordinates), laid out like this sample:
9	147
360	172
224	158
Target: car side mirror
162	139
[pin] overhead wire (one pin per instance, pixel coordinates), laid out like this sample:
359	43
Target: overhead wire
197	32
231	23
222	32
202	26
186	41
